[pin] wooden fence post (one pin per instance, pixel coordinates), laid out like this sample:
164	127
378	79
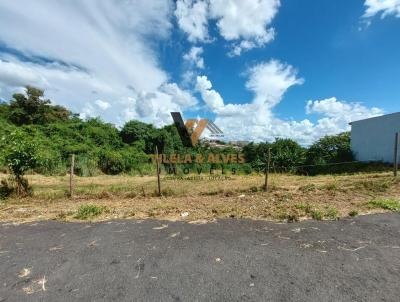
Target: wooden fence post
267	170
71	176
158	173
395	159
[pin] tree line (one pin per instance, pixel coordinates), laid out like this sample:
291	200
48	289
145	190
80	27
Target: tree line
37	135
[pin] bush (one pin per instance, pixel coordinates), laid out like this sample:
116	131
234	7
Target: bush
286	154
20	155
111	162
50	162
86	165
327	151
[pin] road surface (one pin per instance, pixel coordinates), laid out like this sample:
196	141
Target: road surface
354	259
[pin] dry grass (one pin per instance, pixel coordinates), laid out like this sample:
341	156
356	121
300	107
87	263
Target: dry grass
290	197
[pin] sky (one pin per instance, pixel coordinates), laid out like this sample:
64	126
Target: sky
261	69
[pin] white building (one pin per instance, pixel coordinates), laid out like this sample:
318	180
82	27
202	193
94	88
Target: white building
373	139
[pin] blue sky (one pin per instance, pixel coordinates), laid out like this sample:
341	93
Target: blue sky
261	68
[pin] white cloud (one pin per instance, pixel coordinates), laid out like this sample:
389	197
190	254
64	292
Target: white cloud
246	45
245	20
178	96
102	104
212	98
94	51
256	121
383	7
15	75
192	18
244	23
193	57
336	115
270	80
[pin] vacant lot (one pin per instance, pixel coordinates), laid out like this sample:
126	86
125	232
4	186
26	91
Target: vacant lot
289	198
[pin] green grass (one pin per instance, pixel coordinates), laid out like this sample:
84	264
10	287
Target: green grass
89	211
332	213
387	204
304	207
317	215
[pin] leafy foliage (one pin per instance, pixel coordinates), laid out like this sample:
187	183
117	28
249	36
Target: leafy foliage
33	109
89	211
20	155
327	151
41	136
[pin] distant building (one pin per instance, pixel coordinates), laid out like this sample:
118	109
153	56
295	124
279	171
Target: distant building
373	139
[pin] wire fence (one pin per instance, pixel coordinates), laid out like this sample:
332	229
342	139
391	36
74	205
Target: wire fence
71	185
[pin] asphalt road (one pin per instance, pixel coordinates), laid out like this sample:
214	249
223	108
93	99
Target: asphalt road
229	260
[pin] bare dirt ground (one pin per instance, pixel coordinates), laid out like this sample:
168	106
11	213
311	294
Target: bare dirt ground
290	197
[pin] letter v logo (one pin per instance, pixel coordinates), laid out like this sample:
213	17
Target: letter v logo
189	135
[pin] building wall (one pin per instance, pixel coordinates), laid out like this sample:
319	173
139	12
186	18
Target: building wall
373	139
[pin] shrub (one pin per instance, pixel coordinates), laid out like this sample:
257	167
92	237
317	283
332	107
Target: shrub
327	151
286	154
20	155
86	165
50	162
111	162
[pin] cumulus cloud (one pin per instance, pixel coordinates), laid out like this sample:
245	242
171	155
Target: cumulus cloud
383	7
245	20
192	18
243	23
194	58
336	115
256	121
212	98
84	51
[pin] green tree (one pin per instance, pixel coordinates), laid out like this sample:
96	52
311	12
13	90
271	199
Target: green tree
20	155
286	154
111	162
139	133
332	149
33	109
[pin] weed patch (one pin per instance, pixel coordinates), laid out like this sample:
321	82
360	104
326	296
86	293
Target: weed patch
387	204
89	211
317	215
332	213
304	207
353	213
